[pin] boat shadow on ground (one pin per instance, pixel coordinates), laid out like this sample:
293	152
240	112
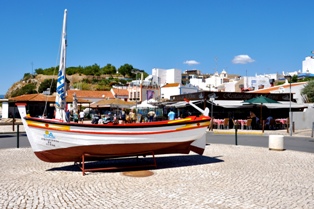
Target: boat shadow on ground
142	163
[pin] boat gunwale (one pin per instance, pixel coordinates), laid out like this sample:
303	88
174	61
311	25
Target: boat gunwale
126	125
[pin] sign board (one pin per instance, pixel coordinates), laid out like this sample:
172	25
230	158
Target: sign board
46	92
229	96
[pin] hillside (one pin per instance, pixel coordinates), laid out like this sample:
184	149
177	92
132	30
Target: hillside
83	81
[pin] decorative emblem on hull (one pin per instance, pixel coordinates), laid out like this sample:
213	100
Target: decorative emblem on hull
49	138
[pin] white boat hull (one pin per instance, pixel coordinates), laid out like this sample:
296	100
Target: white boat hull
56	141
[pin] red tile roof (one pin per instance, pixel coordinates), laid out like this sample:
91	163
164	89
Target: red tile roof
171	85
121	92
42	98
276	88
90	94
106	102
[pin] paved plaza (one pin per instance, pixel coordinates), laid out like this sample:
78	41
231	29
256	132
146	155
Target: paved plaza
226	176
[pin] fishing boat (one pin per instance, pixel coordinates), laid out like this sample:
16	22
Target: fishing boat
56	140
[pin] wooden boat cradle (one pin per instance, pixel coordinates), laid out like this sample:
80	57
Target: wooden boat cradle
83	168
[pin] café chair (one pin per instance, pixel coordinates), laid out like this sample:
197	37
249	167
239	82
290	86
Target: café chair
248	124
226	123
272	124
212	124
278	125
236	123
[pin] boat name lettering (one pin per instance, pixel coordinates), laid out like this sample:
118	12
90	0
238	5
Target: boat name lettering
50	142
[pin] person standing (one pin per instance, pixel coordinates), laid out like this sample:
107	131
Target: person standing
82	114
123	116
75	117
67	115
171	115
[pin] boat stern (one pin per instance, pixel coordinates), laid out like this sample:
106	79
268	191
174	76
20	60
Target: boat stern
198	146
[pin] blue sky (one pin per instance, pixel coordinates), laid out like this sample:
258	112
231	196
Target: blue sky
270	35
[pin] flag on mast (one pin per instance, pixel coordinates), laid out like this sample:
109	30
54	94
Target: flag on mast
61	84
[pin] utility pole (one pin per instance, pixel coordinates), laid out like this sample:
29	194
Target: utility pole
32	68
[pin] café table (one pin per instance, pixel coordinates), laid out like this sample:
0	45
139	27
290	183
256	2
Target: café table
242	122
282	121
219	122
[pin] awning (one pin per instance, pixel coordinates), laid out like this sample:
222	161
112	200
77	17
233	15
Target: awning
229	103
182	104
284	104
240	104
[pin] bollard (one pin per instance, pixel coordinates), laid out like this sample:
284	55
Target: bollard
18	136
276	142
236	134
312	129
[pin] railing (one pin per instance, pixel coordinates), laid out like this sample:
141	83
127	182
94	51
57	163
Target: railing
17	124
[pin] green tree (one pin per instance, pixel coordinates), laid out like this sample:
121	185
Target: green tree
126	69
72	70
308	90
138	73
109	69
48	83
27	76
39	71
27	89
123	81
92	70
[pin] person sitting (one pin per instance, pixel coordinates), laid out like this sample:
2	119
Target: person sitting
151	114
254	120
107	118
96	118
132	116
257	126
268	121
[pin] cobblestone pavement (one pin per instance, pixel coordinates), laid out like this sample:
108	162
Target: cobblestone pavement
226	176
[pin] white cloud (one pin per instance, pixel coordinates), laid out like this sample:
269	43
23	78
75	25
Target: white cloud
191	62
242	59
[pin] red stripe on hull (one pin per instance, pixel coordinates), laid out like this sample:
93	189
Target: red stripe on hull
74	154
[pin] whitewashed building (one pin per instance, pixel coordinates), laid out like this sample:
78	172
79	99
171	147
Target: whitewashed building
172	89
308	65
161	77
213	83
255	83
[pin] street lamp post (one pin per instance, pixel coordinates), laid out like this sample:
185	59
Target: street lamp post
135	71
289	78
212	99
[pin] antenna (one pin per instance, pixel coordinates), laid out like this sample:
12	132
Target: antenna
32	68
216	63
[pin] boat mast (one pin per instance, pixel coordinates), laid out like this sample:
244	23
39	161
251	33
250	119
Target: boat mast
61	84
